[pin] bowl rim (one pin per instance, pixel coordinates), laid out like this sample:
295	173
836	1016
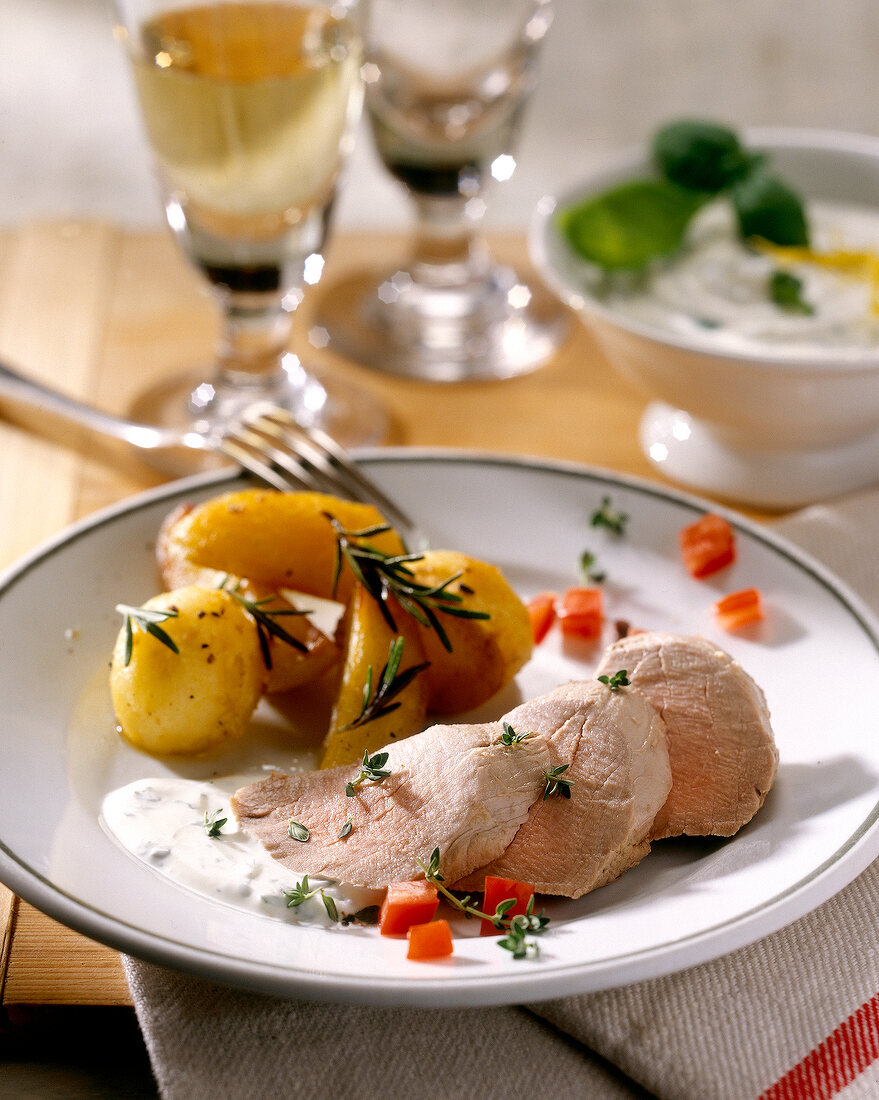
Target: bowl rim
632	160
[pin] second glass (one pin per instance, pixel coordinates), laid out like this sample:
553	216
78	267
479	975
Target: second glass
249	107
446	84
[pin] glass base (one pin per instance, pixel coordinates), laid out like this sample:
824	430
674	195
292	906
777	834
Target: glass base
495	328
352	416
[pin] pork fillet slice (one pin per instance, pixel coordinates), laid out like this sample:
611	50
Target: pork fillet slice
452	787
722	751
615	744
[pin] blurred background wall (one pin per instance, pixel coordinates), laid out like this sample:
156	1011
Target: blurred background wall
71	142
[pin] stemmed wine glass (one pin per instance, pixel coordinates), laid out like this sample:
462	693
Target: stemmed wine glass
446	84
249	107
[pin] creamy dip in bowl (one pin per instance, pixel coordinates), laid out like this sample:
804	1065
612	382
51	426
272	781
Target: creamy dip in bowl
750	402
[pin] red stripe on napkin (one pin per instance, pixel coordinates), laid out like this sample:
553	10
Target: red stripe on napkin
848	1051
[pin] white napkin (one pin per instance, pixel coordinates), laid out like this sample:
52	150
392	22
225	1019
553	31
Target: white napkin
794	1016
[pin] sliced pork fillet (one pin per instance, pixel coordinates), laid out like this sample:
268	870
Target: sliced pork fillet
453	787
722	751
615	745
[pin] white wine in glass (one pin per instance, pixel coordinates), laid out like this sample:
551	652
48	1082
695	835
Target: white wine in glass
446	85
249	108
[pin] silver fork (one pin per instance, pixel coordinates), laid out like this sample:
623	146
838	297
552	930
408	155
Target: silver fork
266	441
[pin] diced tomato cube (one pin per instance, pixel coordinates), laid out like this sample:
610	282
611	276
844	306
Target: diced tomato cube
431	940
405	904
541	612
498	890
581	613
707	545
739	609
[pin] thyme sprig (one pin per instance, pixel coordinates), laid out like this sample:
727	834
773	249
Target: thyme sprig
213	823
372	770
516	927
388	575
618	680
555	785
146	619
301	892
588	572
266	627
391	682
512	737
608	516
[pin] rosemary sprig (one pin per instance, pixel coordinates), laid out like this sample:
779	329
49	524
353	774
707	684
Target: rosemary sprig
213	823
608	516
301	893
516	927
388	575
266	627
372	770
376	704
555	785
618	680
511	737
146	619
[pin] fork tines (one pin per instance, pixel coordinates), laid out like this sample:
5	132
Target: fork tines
272	445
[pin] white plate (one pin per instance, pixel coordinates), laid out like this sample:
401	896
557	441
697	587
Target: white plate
688	901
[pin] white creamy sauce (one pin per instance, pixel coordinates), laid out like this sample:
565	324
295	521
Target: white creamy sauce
161	822
716	289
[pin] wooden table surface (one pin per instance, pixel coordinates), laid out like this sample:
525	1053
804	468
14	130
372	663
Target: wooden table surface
103	313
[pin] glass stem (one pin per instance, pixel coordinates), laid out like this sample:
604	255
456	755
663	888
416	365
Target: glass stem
447	251
255	335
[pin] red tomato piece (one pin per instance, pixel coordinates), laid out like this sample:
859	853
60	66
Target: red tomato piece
501	889
432	940
739	609
405	904
581	613
707	545
541	612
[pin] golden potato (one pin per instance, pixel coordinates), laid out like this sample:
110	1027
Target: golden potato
369	640
486	653
203	695
283	540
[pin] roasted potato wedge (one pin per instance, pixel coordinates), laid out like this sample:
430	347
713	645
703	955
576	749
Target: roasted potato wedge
486	653
369	639
281	540
171	703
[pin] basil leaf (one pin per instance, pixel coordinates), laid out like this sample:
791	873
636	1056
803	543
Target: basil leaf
767	208
701	156
629	225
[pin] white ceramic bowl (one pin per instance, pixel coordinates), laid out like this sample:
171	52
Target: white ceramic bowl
768	429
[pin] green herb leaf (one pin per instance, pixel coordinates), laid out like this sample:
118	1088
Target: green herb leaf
296	831
627	226
608	516
786	291
146	619
378	703
767	208
516	927
330	906
372	770
346	830
511	737
555	785
264	617
701	156
588	573
213	823
384	575
618	680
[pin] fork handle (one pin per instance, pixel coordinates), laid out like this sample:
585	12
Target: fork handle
34	395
